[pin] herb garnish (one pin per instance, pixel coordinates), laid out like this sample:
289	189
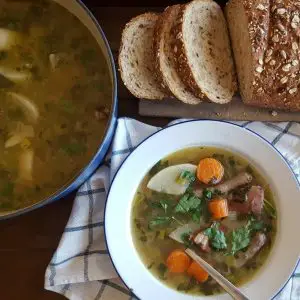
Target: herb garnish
185	177
162	269
185	237
241	237
159	221
216	237
187	203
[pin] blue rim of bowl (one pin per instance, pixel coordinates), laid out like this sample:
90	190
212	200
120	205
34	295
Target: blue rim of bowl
105	142
178	124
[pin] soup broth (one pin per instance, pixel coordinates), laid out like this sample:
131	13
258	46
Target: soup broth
56	92
236	241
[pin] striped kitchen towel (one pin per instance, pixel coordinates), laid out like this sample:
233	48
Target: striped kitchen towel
81	268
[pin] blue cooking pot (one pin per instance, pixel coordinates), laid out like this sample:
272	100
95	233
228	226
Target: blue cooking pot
77	8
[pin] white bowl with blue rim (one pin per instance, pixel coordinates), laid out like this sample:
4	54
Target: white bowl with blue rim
284	256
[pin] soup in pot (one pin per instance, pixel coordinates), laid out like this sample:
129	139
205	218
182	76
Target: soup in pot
56	95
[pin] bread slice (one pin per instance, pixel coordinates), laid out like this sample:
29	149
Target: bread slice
136	58
164	39
204	55
241	44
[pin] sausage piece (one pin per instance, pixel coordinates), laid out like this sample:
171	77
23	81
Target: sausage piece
257	242
231	184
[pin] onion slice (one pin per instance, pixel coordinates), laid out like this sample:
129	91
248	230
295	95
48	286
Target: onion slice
26	165
27	105
8	38
15	76
165	181
189	228
16	137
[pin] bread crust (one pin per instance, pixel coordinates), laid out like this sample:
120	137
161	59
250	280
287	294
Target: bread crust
162	92
184	65
274	32
156	49
181	58
173	86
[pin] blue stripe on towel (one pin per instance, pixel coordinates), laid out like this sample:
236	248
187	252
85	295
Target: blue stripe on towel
281	134
53	264
101	290
128	138
79	228
91	191
90	220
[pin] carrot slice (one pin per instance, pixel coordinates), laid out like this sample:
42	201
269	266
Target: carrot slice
210	171
197	272
178	261
218	208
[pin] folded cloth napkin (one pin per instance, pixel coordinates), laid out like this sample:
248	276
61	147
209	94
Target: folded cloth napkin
81	268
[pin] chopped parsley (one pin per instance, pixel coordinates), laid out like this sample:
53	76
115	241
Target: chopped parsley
159	221
216	237
185	177
185	237
74	148
187	203
240	238
162	269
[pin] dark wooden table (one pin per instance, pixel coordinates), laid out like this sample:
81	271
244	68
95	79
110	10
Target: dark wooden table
27	243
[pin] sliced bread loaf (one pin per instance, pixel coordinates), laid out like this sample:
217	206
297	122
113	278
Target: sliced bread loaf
265	41
203	51
136	58
164	39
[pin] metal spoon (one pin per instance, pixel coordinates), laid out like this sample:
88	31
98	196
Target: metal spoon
233	291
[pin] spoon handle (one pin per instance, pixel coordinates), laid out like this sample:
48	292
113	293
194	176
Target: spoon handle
234	292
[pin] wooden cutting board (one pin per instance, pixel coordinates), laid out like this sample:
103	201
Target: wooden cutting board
236	110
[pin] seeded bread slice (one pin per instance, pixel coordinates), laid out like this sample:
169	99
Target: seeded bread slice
136	58
164	39
204	55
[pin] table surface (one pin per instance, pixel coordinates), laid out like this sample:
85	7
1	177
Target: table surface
28	242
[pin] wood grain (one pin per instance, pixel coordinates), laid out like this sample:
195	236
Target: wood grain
236	110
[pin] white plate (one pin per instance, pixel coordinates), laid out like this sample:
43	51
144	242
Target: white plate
285	253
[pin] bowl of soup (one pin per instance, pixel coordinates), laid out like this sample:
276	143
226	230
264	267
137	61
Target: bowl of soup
58	101
216	188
